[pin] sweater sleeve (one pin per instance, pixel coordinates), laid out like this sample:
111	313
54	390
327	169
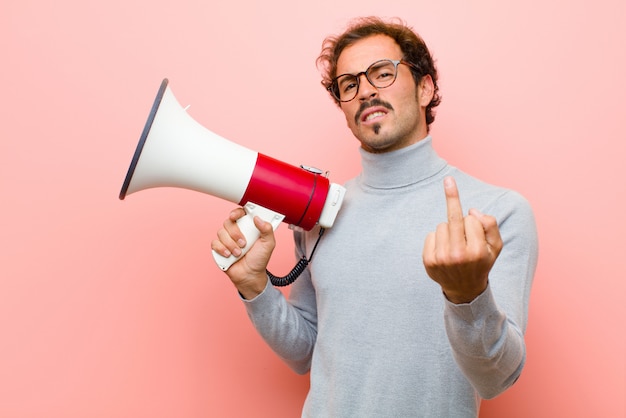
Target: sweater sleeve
289	327
487	335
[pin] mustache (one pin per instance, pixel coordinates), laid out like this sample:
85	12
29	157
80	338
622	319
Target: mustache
367	105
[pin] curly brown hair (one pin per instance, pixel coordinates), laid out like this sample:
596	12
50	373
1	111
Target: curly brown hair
411	44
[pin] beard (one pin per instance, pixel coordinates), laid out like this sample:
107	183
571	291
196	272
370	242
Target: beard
397	130
366	105
388	135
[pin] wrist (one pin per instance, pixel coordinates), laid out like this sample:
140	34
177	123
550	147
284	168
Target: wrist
252	288
459	298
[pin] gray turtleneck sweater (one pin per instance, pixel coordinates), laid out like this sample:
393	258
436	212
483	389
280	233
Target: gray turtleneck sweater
375	332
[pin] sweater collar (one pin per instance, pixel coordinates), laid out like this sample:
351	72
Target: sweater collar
402	167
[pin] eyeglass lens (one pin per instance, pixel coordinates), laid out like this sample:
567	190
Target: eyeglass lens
380	74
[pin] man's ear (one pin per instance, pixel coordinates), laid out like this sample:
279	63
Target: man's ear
425	90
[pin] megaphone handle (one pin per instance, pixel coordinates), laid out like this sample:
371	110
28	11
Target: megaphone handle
249	230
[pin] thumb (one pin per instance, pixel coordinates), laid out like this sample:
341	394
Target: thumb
266	239
256	259
265	228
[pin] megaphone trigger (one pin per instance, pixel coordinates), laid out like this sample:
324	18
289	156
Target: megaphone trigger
249	230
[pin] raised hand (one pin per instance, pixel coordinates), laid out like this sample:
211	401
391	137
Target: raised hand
460	253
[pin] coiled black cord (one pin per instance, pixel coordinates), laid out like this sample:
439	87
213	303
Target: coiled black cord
297	270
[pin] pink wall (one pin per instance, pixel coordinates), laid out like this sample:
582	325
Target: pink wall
115	309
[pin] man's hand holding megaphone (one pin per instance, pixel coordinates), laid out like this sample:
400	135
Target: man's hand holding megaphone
248	274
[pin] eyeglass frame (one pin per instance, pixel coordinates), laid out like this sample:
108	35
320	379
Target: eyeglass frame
357	77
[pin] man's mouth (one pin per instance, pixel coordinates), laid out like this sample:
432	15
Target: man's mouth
373	115
372	110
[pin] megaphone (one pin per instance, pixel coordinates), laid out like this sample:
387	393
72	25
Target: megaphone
176	151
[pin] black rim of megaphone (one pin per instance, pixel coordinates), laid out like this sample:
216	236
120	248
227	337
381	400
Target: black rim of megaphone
144	136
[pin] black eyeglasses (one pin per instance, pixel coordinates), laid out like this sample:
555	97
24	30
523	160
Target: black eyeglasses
380	74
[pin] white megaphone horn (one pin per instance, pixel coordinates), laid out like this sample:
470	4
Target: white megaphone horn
176	151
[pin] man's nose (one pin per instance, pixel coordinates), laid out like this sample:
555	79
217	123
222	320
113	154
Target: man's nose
366	89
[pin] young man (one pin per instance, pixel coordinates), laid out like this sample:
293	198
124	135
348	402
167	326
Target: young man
379	337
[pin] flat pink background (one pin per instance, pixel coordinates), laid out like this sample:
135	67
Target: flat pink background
115	309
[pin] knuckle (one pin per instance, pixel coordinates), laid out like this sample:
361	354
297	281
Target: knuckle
456	257
491	221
